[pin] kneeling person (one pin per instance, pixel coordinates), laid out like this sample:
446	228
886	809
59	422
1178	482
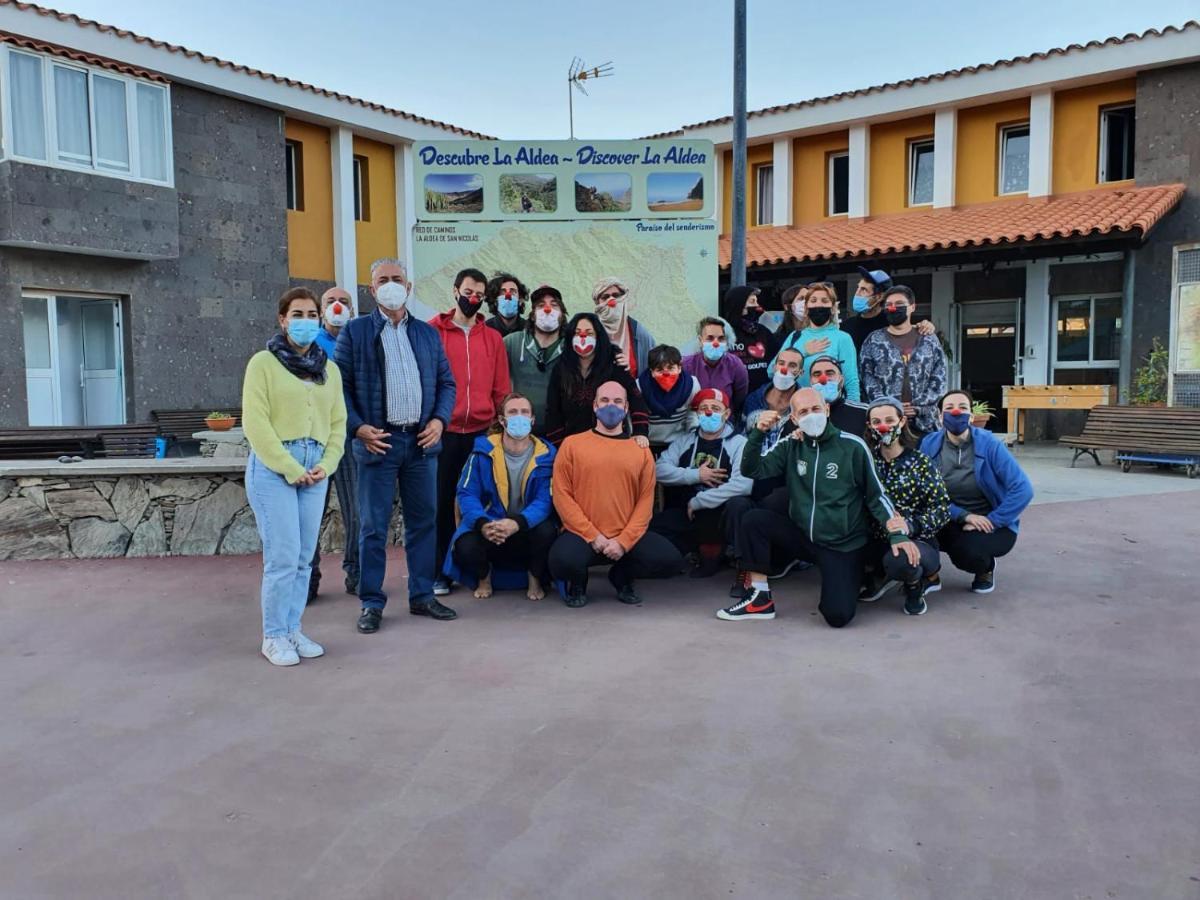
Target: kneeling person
702	471
506	522
604	494
832	489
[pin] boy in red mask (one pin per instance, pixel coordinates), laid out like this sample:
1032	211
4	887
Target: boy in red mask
668	391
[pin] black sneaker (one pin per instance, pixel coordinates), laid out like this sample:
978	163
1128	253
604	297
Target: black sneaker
755	604
368	622
707	567
626	594
874	587
576	596
352	583
738	588
434	610
914	599
441	587
933	583
985	583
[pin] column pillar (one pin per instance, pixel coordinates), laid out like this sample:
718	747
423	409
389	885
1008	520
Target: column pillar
1036	349
945	151
1041	144
406	210
781	180
345	244
860	169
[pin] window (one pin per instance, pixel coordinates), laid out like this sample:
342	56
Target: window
839	184
1088	333
1014	159
293	156
73	116
764	179
362	190
1116	143
920	173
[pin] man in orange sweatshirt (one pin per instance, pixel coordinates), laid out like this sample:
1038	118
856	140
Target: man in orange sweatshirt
480	366
604	494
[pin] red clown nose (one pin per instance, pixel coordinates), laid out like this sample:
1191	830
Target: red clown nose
337	309
547	309
508	293
823	379
882	428
611	303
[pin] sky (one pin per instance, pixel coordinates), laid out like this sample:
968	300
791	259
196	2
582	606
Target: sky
500	67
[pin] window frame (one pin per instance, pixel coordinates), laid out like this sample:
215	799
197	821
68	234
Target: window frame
1101	162
361	177
1091	362
759	194
294	184
830	190
50	119
914	146
1002	155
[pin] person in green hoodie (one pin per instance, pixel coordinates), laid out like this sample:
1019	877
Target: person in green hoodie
833	491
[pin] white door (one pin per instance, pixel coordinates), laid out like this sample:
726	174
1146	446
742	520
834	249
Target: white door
100	370
41	385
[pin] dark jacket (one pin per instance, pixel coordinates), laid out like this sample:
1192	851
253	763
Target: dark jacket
997	473
831	482
915	486
569	409
884	374
359	356
755	346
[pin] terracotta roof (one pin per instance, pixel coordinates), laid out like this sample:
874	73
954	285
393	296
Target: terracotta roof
78	56
1104	212
943	76
233	67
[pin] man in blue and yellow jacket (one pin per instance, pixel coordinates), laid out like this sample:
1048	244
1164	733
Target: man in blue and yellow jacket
505	513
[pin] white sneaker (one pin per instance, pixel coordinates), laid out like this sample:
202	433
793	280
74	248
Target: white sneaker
306	647
279	651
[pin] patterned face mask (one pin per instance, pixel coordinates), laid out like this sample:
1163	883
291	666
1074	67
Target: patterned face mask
886	435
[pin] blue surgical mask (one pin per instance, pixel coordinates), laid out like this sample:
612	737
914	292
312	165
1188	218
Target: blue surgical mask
860	304
303	331
712	352
610	416
956	422
508	306
829	391
518	426
710	423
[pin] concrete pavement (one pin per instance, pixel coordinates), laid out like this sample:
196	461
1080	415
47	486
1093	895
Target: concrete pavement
1041	742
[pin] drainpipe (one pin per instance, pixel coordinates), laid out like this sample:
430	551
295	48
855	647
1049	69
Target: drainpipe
1125	376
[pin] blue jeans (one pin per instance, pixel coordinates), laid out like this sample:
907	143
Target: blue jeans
408	467
289	522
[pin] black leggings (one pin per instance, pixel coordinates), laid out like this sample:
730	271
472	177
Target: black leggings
737	507
689	534
763	530
651	557
456	450
975	551
524	551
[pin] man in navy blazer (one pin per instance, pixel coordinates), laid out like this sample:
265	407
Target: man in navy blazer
399	396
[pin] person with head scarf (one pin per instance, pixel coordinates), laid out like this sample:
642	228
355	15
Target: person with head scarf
631	340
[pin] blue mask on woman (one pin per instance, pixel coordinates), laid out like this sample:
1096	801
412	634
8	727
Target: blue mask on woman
710	423
303	331
517	426
860	304
508	306
829	391
956	423
610	416
712	352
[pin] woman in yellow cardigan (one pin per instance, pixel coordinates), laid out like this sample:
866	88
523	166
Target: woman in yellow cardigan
294	417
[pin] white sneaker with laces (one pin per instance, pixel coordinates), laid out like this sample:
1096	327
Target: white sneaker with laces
279	651
305	646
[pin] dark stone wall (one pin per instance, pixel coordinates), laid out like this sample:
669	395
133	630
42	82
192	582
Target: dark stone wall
191	323
997	284
1105	277
1167	151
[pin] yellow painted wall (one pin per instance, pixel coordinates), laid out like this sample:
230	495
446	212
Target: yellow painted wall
810	174
1077	132
755	156
977	173
376	238
310	231
889	162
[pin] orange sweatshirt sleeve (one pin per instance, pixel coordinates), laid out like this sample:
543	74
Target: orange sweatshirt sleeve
639	521
573	518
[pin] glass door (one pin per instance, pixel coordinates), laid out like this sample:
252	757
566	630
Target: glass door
100	370
41	385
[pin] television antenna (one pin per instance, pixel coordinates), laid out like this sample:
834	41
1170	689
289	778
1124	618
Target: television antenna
577	74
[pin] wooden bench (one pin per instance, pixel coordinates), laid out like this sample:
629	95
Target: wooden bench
141	443
178	425
1154	434
53	441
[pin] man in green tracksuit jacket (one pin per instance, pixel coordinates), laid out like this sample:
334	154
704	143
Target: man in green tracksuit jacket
832	489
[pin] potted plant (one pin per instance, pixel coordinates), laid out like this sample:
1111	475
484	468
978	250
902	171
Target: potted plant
1150	380
981	413
219	421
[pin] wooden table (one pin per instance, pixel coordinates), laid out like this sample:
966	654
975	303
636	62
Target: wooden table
1018	398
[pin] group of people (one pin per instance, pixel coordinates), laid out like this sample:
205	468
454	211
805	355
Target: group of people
528	447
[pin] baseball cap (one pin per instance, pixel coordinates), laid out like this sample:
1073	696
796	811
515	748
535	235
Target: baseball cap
881	279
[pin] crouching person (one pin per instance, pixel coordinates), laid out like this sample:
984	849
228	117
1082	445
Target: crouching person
702	471
916	489
832	491
506	517
604	494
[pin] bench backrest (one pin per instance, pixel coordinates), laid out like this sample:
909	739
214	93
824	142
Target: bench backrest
183	423
1144	425
129	444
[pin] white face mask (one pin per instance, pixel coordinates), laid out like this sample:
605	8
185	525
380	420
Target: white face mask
813	424
584	344
547	321
783	381
798	309
391	295
338	313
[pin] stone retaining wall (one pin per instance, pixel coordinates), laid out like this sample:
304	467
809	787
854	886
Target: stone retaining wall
95	517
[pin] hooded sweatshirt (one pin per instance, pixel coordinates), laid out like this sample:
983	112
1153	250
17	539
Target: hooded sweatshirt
480	368
755	345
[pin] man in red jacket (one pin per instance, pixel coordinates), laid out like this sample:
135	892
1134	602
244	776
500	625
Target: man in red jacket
480	367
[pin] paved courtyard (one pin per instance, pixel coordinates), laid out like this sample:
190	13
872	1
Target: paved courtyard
1042	742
